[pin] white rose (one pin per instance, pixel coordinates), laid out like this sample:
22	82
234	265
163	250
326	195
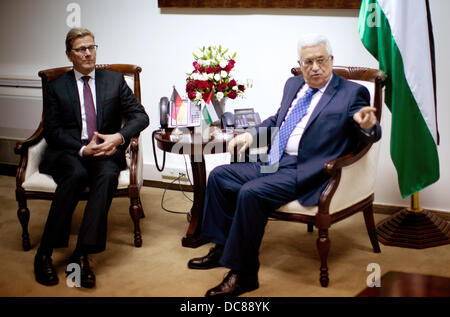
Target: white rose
224	74
198	95
223	63
211	76
217	77
235	88
219	96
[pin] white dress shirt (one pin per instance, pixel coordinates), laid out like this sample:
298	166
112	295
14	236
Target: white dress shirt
296	135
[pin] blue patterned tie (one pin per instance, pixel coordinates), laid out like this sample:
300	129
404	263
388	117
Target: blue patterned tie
299	111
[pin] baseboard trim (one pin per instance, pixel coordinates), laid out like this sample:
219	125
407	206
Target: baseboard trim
164	185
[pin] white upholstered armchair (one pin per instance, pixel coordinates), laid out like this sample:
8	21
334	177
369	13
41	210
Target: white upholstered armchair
30	184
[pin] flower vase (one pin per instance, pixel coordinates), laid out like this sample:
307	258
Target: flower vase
219	106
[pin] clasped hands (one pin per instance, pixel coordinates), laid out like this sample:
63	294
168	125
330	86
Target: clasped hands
107	148
365	117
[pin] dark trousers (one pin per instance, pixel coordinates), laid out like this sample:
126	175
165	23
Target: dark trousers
238	201
72	175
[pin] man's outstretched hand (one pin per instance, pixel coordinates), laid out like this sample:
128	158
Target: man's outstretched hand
365	117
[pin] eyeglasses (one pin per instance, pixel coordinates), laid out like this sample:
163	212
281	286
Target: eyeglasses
309	62
83	49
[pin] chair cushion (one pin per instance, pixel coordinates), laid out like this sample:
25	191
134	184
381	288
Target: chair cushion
45	183
352	188
39	182
295	207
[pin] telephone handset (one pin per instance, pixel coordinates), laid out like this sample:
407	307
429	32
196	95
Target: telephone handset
241	119
164	107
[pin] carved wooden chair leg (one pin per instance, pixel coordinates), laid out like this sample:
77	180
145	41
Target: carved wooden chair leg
323	246
310	227
136	213
24	216
370	225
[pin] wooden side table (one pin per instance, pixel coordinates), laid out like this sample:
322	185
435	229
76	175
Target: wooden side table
400	284
195	146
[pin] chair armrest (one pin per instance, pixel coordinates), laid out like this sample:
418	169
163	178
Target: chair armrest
334	165
135	161
21	147
352	179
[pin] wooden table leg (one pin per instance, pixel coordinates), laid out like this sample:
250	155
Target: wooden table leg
192	237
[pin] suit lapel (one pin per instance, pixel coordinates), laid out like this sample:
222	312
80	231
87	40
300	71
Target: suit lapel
291	94
100	89
72	89
326	97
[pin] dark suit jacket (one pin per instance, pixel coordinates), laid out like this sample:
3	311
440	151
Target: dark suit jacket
62	115
330	132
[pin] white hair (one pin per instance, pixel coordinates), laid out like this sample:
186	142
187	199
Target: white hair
313	40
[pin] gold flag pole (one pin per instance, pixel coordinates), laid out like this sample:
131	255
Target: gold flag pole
414	227
415	204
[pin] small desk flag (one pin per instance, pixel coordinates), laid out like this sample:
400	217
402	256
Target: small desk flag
208	111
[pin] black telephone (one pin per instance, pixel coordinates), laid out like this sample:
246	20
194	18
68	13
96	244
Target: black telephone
164	108
164	105
241	119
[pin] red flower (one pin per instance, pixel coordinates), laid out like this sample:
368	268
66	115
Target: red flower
241	88
210	70
221	87
231	83
232	95
202	84
191	95
230	65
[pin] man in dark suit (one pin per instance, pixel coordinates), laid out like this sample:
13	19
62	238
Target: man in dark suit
83	113
321	117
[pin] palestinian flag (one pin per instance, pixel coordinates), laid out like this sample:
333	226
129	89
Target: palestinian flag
178	107
208	111
399	35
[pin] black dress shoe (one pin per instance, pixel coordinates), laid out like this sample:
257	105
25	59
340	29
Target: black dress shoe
44	271
234	284
87	278
209	261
